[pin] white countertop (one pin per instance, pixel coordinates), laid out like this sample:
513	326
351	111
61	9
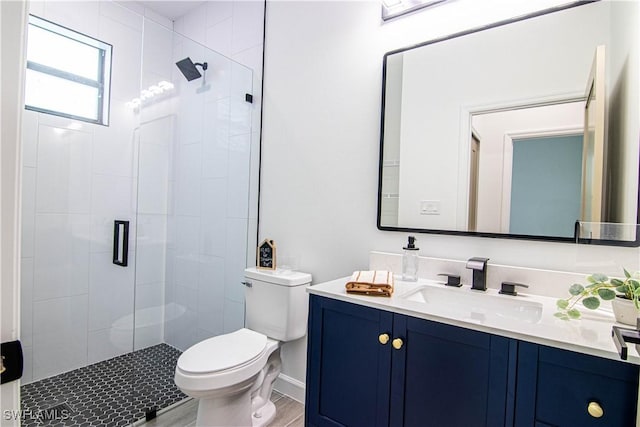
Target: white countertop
590	335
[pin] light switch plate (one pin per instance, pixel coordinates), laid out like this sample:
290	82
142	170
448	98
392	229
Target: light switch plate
430	207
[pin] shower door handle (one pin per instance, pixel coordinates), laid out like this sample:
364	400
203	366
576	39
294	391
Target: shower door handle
120	243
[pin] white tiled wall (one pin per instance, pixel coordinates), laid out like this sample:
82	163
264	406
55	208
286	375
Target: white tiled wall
187	163
78	178
209	198
235	29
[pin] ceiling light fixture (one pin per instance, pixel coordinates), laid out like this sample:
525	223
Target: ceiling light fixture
391	3
395	8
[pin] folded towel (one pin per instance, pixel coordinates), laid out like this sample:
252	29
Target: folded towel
376	283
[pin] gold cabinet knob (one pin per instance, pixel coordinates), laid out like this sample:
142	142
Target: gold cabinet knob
595	410
383	338
397	343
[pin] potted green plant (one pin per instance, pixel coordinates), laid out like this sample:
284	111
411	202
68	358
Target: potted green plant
624	295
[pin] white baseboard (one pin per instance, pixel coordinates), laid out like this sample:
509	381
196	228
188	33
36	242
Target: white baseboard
291	387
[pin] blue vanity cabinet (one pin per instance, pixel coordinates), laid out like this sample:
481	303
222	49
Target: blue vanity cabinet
555	388
348	370
436	375
433	374
448	376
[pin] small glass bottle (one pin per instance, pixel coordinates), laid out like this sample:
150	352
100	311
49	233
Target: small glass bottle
410	261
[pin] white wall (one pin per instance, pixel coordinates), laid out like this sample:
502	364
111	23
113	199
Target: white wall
322	77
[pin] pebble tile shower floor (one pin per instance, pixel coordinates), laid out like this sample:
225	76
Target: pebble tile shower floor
114	392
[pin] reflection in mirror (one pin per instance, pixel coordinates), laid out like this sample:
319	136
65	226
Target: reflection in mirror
527	129
529	171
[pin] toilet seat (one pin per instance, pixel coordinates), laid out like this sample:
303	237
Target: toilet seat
222	352
223	361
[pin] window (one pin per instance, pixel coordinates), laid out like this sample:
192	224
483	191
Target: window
68	73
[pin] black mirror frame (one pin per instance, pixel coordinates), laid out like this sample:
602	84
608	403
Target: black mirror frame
605	242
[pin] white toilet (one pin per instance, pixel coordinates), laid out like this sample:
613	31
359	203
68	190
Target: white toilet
233	374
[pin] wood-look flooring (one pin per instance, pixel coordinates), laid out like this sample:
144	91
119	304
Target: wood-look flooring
289	413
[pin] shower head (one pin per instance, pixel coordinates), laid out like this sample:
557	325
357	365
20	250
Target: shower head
189	70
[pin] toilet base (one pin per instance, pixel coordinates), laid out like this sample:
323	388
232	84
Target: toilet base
245	404
229	409
266	414
232	412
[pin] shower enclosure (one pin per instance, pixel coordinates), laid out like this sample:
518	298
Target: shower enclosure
134	234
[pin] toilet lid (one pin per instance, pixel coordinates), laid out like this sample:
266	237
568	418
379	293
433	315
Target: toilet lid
222	352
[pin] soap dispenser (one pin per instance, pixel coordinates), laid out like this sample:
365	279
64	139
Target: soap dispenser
410	261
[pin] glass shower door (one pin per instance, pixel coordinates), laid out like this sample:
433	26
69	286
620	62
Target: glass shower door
192	207
76	304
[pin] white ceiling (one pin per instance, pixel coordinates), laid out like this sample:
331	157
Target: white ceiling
171	9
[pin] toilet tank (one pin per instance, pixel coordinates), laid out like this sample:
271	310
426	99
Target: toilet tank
277	304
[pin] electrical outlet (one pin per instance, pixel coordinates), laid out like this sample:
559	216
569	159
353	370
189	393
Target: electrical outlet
430	207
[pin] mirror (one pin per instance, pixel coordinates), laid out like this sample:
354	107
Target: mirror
524	129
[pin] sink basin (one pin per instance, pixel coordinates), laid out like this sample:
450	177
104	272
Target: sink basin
475	306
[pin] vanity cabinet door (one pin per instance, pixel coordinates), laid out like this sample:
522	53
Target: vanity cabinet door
348	370
556	387
448	376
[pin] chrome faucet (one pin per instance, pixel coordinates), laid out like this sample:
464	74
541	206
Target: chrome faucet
479	267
